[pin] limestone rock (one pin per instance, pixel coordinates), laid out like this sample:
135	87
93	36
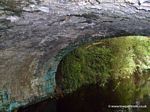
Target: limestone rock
32	46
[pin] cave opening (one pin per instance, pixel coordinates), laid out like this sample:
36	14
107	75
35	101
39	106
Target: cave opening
100	75
110	72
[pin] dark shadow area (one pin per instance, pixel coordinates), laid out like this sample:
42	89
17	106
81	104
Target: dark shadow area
89	98
48	105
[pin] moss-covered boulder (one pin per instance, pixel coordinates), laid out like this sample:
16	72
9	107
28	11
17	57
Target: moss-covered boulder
120	67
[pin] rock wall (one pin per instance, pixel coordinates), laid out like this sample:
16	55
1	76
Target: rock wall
32	45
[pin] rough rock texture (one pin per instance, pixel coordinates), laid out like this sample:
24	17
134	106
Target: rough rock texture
32	45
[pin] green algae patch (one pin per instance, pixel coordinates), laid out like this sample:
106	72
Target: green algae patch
123	63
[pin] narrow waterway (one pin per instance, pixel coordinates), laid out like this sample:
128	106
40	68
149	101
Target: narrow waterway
35	36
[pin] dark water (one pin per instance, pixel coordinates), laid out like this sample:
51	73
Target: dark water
89	98
48	105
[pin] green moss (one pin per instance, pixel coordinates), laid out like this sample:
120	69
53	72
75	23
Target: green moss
113	71
94	62
124	60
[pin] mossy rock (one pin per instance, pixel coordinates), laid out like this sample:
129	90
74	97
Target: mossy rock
120	66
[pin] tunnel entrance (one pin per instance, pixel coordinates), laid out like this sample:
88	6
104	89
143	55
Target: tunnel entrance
102	76
98	76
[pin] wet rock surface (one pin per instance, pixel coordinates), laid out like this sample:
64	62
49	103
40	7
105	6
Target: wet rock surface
32	44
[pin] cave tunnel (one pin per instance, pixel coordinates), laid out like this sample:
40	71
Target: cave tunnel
97	76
